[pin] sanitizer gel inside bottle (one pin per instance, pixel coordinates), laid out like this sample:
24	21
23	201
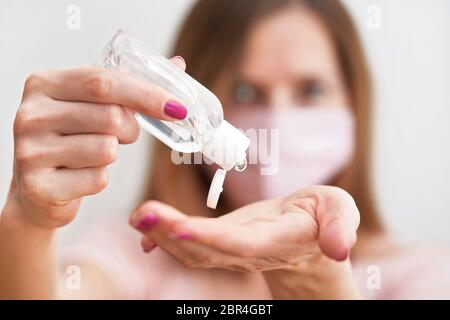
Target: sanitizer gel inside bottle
203	130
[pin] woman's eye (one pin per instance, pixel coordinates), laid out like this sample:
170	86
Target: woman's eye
313	91
245	93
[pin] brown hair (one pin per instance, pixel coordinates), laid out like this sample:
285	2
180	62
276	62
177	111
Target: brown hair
211	41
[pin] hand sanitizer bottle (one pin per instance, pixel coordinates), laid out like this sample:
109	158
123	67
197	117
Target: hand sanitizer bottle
203	130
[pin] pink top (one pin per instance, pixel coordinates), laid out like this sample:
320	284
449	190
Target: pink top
407	275
415	273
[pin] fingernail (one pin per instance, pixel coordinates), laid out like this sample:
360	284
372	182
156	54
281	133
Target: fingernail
150	248
181	236
344	255
175	110
149	221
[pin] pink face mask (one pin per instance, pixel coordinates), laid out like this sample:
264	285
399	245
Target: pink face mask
290	149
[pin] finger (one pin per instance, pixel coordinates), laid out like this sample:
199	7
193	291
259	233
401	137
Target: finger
338	219
83	117
63	185
155	220
180	245
194	255
286	235
108	86
147	244
263	235
152	213
83	151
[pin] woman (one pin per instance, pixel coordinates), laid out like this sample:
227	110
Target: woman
293	65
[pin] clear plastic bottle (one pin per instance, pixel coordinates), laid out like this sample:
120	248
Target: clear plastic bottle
203	130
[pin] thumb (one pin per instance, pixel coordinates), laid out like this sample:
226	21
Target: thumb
338	219
336	238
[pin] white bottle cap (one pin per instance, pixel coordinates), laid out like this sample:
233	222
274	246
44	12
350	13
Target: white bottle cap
216	188
227	147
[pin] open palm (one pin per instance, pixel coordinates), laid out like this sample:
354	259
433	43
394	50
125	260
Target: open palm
261	236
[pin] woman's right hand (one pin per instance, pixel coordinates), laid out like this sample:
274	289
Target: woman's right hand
67	130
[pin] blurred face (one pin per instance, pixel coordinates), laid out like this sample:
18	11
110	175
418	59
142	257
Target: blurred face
289	60
290	89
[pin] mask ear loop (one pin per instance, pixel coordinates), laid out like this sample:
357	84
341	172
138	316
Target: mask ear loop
216	188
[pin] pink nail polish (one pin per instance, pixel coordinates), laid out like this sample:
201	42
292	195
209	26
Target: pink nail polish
182	236
175	110
149	221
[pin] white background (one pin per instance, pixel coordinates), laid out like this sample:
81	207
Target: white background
409	57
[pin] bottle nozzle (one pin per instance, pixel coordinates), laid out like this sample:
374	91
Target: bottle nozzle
241	165
227	148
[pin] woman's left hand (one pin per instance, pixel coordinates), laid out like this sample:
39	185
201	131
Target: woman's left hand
261	236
